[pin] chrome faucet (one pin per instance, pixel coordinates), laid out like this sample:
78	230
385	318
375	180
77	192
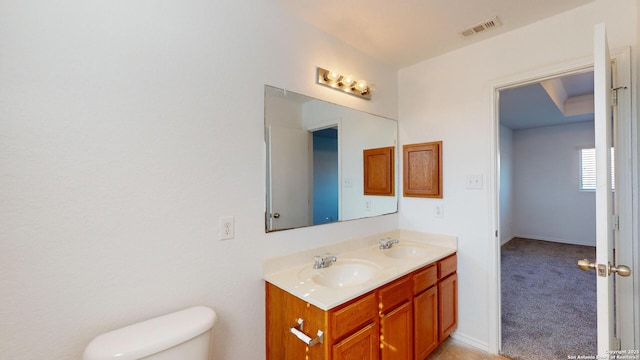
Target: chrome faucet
388	243
321	262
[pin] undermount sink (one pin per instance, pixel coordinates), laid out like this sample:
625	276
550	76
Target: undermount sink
406	251
343	273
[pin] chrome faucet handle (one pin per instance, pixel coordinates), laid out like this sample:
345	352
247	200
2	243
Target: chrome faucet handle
317	262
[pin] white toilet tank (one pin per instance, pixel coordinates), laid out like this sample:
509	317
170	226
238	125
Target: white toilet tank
185	334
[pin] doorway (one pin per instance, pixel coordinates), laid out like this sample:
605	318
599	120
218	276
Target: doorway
325	176
547	220
626	142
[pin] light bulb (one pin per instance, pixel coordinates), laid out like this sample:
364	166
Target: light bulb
348	80
332	75
361	85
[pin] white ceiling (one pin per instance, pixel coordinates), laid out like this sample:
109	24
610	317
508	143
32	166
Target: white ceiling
531	105
404	32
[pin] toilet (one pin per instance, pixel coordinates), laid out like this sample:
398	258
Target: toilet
184	334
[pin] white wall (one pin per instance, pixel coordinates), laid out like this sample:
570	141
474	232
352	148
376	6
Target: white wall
448	98
507	210
549	204
127	129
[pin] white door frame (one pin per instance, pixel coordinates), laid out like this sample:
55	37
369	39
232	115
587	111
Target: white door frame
628	224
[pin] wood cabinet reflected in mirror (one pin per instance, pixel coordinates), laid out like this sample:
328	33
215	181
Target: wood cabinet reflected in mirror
314	166
379	171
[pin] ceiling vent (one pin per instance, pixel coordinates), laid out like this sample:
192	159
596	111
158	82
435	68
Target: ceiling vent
488	24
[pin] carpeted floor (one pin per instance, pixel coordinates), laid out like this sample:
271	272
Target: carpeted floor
548	304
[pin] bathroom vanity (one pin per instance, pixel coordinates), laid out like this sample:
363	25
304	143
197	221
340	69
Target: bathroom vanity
372	303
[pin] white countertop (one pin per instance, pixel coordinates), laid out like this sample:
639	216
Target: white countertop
298	279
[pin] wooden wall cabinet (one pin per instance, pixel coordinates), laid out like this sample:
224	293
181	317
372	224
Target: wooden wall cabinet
405	319
422	170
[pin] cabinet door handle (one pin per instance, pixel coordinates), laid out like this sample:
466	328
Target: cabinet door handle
297	331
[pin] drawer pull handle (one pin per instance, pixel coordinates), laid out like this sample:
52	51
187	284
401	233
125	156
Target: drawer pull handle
297	331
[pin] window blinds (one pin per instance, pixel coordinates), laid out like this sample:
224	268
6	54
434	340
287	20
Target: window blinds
588	169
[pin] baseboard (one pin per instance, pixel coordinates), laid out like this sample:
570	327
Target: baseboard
556	240
506	240
473	342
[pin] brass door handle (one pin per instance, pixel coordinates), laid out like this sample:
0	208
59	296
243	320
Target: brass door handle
585	265
622	270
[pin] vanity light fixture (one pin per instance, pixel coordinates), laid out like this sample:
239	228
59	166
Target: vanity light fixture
344	83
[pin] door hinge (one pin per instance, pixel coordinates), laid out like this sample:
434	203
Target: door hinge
616	222
614	95
617	343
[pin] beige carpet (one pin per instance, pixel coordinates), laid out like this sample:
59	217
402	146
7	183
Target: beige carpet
548	304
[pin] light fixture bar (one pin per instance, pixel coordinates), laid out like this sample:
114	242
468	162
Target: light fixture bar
344	83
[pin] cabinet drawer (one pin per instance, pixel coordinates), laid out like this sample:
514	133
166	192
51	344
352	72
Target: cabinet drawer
351	317
447	266
424	279
394	294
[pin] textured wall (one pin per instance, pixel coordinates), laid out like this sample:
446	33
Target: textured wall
127	128
548	202
506	184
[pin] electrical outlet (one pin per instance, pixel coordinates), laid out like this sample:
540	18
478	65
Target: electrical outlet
438	211
227	228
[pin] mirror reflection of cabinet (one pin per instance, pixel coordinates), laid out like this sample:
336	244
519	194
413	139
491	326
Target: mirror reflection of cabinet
321	179
379	171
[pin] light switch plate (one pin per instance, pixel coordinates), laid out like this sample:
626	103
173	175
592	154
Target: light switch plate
474	181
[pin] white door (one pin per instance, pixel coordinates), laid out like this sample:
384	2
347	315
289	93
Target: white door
604	200
606	270
288	178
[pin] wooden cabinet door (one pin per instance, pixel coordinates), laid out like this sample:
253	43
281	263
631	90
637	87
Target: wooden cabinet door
396	333
282	312
363	345
425	309
447	306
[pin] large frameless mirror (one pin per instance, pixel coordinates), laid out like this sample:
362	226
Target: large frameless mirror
315	164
